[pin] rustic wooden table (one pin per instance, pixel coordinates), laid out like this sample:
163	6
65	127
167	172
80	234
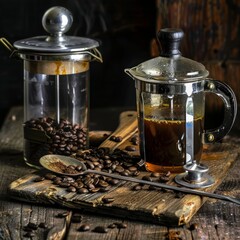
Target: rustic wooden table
215	220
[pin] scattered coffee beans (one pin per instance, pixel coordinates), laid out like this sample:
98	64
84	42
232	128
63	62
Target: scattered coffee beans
39	179
193	226
120	225
130	148
42	225
116	138
76	218
134	140
100	229
29	234
32	226
112	225
84	228
62	214
108	200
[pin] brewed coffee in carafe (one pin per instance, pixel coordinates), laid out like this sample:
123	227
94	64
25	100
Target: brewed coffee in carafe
170	97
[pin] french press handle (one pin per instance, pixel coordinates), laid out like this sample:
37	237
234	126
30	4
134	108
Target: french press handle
230	109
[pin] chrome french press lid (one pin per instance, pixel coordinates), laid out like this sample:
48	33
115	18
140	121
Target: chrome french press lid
57	21
170	66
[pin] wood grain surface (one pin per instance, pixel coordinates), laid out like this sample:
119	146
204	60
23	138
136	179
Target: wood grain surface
214	220
162	207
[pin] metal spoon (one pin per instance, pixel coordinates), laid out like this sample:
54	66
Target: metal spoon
48	162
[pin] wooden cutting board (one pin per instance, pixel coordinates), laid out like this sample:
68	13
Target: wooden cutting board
163	207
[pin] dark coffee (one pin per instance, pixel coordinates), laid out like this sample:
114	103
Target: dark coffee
165	144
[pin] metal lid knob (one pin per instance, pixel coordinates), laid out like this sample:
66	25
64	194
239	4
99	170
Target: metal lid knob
56	21
169	40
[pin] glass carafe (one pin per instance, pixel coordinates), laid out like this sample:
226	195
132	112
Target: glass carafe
170	91
56	88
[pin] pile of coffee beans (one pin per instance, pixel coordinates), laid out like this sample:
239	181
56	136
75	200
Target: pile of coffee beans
118	161
100	159
89	183
62	138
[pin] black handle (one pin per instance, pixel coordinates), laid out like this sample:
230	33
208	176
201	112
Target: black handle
230	109
169	40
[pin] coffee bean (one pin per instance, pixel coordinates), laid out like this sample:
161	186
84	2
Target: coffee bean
82	190
68	180
132	169
153	188
100	229
130	148
113	181
112	225
57	181
164	179
50	176
119	169
38	179
80	184
193	226
147	178
94	190
102	183
136	173
78	168
32	226
76	218
29	234
155	174
27	229
112	138
84	228
71	189
137	187
120	225
116	138
125	173
107	200
179	194
62	214
42	225
105	189
134	140
64	184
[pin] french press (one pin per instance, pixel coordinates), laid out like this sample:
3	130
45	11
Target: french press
170	92
56	88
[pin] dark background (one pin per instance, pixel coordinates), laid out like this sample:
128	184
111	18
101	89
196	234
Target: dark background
124	28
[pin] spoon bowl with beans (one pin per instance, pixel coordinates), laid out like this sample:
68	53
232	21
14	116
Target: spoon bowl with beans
70	166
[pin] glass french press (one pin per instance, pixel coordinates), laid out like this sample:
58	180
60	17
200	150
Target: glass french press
170	92
56	88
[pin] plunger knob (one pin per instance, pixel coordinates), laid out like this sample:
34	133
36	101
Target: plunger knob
56	21
169	40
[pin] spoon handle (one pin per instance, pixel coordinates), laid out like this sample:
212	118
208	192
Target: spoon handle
166	186
127	127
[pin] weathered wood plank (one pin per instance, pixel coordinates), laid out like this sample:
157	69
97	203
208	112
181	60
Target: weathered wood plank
215	219
211	27
153	206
